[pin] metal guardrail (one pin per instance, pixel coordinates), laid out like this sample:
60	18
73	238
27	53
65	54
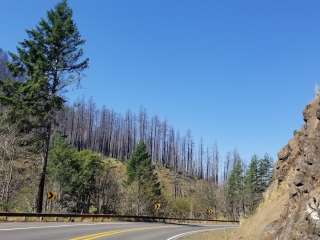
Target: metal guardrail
4	216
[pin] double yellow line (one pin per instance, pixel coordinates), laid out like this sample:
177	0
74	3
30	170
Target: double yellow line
113	232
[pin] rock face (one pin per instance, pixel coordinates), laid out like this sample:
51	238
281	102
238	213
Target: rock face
299	163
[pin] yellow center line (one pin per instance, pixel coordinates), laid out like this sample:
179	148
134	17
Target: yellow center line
96	235
113	232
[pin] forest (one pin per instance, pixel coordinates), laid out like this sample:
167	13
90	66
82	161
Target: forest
97	160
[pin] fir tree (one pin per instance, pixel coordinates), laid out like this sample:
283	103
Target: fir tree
141	171
235	191
251	184
257	180
49	60
138	162
265	170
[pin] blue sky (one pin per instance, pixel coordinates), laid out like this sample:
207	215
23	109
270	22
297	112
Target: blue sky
235	72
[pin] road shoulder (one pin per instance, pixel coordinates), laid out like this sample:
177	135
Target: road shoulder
223	234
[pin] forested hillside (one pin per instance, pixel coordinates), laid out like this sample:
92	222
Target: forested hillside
96	159
116	135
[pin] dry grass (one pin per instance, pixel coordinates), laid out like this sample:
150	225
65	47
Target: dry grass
252	228
213	235
269	210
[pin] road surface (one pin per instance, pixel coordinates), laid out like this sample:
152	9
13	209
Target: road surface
100	231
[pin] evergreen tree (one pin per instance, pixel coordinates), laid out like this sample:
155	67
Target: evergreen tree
137	162
235	191
76	173
251	184
49	60
257	180
141	171
4	71
265	171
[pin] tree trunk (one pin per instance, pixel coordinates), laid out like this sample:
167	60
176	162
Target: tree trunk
8	184
39	201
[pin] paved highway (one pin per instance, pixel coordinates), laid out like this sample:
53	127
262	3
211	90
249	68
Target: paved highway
110	231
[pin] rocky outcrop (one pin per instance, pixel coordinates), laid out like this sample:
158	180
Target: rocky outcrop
299	164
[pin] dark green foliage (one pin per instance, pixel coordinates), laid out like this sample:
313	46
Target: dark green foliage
235	191
141	171
49	60
245	191
53	50
138	162
76	173
265	172
258	178
251	186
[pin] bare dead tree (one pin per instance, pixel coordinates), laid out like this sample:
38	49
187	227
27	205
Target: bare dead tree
116	135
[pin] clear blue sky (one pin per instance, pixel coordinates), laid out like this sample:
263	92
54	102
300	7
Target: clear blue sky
235	72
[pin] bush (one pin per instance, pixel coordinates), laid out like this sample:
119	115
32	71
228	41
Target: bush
181	207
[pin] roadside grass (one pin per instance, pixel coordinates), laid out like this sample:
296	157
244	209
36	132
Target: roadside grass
275	200
253	228
213	235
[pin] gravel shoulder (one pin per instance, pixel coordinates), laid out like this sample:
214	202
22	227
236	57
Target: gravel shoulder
213	235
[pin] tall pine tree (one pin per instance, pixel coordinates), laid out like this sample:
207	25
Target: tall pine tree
235	191
265	171
251	184
49	60
258	178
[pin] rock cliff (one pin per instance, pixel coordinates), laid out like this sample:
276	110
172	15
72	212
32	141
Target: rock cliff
291	209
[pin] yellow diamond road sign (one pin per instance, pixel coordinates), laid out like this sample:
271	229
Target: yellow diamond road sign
157	206
50	195
210	211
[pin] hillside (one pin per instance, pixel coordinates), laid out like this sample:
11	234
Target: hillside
185	196
291	205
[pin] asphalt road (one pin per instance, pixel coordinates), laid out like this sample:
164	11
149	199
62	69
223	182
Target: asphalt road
110	231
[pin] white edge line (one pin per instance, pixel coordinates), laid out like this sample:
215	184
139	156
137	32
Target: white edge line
198	231
59	226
